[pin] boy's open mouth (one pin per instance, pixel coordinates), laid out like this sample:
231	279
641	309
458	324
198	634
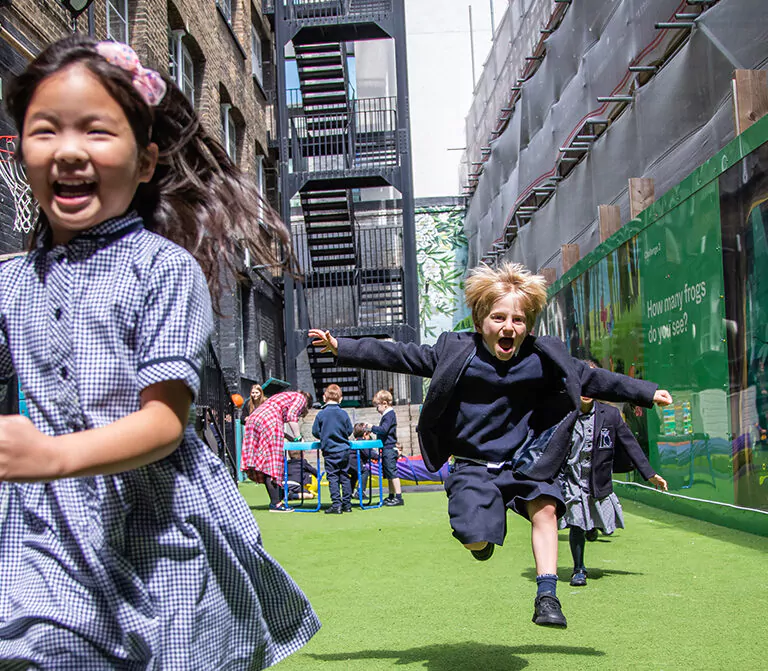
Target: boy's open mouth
74	189
506	344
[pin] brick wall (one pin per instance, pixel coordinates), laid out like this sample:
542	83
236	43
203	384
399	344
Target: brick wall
222	55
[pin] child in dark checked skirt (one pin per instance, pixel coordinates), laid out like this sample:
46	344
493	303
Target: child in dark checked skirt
600	437
124	542
503	403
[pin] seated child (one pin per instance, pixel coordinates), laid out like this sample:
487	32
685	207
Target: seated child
504	403
332	428
299	476
386	432
360	432
598	436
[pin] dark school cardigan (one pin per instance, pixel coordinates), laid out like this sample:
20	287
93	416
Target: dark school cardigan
386	431
614	449
545	450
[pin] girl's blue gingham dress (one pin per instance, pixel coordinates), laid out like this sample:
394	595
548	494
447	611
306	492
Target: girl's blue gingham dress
157	568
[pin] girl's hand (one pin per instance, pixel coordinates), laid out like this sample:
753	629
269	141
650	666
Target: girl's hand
662	397
659	482
26	454
325	340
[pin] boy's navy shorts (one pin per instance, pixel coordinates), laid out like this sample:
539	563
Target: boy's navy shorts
389	463
478	500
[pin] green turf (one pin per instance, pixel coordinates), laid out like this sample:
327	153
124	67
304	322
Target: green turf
395	590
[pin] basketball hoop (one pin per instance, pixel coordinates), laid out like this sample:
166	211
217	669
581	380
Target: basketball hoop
16	181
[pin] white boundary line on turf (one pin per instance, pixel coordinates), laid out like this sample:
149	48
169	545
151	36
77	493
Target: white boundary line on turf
691	498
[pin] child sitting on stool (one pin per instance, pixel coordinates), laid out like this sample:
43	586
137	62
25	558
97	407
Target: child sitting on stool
299	476
386	432
600	439
332	428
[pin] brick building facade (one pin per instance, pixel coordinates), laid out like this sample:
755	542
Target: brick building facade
220	54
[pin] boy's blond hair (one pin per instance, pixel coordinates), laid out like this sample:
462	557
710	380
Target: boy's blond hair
382	396
332	393
486	285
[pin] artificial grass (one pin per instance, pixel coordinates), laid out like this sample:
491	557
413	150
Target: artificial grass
394	589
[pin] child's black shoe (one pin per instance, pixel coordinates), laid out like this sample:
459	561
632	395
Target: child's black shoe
346	509
591	535
579	578
485	554
547	611
333	510
394	502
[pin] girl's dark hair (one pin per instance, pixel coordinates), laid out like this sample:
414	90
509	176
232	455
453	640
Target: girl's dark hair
308	404
197	197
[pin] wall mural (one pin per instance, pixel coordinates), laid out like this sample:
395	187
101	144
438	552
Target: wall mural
441	257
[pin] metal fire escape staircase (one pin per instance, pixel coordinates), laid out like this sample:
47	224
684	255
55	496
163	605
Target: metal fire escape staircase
328	218
353	257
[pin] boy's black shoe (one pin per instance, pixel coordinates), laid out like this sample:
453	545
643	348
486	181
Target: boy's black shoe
346	509
333	510
485	554
394	501
591	535
579	578
547	611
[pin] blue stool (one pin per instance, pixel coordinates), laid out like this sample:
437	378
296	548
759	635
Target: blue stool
358	445
289	447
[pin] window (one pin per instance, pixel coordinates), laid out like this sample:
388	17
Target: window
229	131
261	185
257	62
117	20
181	65
226	9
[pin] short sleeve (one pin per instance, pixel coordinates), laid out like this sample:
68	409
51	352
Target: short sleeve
296	407
6	362
175	323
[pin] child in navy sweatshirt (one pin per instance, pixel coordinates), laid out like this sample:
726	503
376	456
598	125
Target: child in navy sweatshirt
332	428
386	432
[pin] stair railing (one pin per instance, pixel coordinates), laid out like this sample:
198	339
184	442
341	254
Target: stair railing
215	412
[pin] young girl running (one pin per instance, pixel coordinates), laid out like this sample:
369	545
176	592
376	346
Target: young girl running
599	438
124	542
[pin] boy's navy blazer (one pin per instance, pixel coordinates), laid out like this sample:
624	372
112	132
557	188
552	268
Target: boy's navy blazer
614	450
543	454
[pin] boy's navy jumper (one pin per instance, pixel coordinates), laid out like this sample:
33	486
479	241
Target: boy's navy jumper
386	432
332	427
508	423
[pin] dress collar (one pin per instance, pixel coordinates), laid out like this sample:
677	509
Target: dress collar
101	235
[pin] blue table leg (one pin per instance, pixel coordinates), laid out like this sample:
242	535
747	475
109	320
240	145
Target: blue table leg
381	484
320	475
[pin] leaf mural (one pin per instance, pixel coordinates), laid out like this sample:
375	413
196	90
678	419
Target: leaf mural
441	262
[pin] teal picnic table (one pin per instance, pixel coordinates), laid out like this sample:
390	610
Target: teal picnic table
357	446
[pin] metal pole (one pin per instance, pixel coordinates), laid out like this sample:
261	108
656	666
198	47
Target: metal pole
406	191
289	321
472	47
493	21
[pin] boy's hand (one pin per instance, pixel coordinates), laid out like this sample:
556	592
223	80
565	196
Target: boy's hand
659	482
325	340
662	397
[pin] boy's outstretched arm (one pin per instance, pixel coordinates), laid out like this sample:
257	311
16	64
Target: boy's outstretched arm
604	385
376	354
